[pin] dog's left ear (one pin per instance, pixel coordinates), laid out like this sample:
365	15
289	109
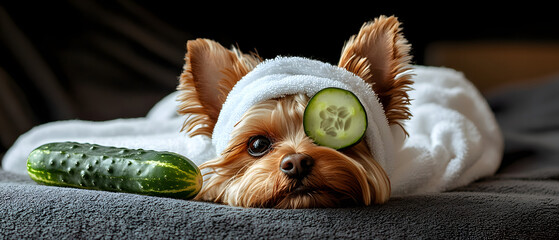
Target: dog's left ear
379	54
210	72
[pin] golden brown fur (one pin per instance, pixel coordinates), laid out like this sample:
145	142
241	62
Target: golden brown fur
378	54
209	67
338	178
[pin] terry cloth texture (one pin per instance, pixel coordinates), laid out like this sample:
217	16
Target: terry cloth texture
453	137
159	130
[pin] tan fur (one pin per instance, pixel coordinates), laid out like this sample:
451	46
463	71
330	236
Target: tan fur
209	66
380	55
351	177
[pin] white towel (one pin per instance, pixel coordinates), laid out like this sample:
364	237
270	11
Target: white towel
453	136
453	139
160	130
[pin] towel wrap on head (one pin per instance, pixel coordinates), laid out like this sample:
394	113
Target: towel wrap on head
283	76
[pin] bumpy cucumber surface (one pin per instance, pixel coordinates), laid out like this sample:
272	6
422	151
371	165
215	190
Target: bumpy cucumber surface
92	166
335	118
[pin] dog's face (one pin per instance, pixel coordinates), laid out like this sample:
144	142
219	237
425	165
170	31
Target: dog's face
270	162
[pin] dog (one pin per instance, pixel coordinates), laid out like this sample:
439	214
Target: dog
270	162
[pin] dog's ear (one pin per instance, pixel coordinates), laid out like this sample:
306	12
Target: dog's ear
209	74
380	55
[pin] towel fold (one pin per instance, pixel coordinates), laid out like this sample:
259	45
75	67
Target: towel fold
453	136
159	131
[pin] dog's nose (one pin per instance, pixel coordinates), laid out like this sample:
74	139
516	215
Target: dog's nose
296	165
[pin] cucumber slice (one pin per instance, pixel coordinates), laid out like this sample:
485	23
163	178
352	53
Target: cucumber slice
335	118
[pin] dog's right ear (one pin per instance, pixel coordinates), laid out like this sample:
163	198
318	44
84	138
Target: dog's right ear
209	74
379	54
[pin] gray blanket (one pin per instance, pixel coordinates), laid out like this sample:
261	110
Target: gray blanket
492	208
521	201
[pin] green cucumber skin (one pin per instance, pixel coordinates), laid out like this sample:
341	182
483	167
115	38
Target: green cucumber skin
92	166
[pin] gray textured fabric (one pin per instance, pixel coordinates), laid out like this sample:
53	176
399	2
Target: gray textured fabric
493	208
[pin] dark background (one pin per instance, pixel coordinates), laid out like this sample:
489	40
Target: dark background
101	60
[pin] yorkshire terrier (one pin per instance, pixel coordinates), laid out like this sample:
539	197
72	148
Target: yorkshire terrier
270	161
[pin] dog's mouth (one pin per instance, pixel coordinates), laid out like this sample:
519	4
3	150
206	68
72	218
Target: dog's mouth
304	196
303	190
303	186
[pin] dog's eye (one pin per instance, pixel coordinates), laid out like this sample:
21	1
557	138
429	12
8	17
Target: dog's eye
259	145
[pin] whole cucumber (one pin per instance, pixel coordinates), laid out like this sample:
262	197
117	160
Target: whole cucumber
92	166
